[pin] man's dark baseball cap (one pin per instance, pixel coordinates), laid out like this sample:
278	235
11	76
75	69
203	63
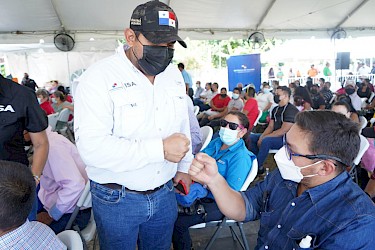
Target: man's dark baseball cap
157	22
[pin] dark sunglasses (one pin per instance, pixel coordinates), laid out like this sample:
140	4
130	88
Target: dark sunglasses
232	125
289	154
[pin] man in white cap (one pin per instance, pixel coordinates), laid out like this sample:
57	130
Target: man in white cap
351	91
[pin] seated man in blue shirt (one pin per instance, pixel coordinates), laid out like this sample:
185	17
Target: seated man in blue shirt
309	195
234	162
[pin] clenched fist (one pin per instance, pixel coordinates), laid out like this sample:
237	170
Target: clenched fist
175	147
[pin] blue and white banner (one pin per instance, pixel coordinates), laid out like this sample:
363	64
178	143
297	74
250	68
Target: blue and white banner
244	69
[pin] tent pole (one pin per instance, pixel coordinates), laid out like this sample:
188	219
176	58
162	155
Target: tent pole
351	13
57	13
265	14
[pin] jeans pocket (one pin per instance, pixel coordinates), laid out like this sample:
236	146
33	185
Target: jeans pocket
169	186
104	195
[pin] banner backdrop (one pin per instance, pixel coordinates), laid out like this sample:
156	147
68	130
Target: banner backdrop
244	69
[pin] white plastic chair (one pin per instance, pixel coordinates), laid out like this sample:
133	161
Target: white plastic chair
363	122
85	200
258	118
207	133
372	120
332	99
62	120
71	240
196	110
226	222
371	97
362	149
52	120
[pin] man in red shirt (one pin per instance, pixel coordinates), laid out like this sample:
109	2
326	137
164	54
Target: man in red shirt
218	104
44	103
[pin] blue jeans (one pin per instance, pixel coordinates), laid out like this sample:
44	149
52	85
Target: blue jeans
267	144
181	236
123	217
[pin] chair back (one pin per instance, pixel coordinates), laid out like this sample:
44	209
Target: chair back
71	240
332	99
362	149
363	122
52	120
251	176
64	115
258	118
207	133
196	110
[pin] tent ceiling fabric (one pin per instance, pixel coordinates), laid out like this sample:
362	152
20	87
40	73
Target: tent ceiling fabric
28	21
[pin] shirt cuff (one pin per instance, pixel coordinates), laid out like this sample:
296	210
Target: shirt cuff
183	167
155	150
248	216
55	213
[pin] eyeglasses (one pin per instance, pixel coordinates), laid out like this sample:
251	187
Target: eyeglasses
232	125
289	154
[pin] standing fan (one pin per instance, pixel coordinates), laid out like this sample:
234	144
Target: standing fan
338	34
64	42
257	39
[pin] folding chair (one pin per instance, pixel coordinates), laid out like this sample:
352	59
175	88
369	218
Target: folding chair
62	120
362	149
207	133
52	120
196	110
258	118
71	240
363	122
88	233
226	222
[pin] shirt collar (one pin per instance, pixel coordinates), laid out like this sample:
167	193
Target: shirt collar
23	229
318	192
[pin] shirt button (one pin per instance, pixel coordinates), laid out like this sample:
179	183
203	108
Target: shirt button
293	204
278	226
265	247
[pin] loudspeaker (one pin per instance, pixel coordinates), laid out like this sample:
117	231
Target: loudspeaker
342	60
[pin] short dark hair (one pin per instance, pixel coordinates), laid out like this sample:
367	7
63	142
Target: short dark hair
265	84
17	194
285	89
322	79
216	84
181	65
223	88
342	103
61	89
328	83
238	89
330	133
250	91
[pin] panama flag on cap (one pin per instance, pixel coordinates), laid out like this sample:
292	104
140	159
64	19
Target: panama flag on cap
167	18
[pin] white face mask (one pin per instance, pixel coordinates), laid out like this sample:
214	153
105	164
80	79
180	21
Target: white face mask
265	90
54	100
39	100
235	96
228	136
288	170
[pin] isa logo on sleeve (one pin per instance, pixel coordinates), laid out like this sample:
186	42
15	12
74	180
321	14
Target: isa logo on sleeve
167	18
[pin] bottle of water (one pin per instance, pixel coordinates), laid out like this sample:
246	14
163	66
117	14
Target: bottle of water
305	242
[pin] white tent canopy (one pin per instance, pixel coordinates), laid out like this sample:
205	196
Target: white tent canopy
25	22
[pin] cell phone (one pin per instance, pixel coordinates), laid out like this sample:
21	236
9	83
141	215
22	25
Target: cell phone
181	187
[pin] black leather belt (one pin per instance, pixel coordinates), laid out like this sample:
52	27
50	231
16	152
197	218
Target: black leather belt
115	186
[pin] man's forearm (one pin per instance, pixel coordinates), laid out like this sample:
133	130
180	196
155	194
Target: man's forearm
39	159
230	202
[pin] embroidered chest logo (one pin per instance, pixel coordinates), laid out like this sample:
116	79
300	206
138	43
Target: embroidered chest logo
6	108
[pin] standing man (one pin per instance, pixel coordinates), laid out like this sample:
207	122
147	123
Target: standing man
312	72
187	80
20	111
132	131
326	70
310	197
28	82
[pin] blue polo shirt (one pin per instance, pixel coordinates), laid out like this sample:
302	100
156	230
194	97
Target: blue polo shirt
234	163
187	78
336	214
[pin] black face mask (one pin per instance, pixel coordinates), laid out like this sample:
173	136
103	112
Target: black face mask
223	95
155	59
276	98
349	91
314	91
